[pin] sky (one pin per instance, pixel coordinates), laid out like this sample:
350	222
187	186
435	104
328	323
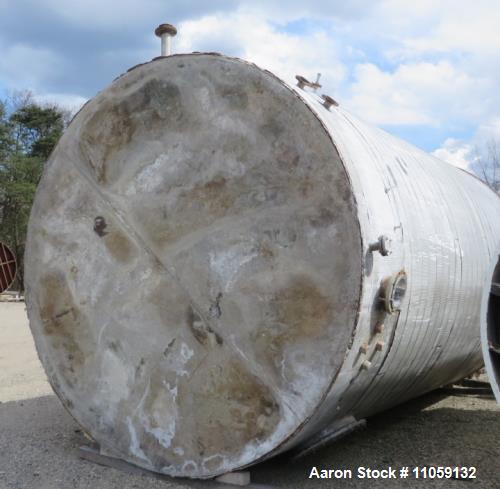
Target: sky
426	71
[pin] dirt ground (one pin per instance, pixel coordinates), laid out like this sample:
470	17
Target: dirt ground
39	441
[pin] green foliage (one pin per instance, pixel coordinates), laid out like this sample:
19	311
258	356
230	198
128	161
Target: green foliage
36	129
5	136
27	136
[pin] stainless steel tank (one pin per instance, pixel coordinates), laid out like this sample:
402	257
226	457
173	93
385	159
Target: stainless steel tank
220	266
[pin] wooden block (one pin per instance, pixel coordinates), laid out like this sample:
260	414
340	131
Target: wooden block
235	478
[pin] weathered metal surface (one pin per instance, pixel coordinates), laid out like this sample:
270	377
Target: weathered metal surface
8	267
194	280
211	260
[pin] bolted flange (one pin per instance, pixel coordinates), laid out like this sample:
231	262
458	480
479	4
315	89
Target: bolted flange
383	245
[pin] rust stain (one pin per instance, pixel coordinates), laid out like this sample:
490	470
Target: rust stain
235	96
214	196
155	105
297	311
119	246
63	322
203	203
323	218
116	242
302	307
266	250
107	131
238	409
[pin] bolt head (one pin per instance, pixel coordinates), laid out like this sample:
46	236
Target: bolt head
366	365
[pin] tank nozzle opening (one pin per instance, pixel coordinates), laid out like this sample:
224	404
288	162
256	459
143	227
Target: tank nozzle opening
328	102
393	292
303	82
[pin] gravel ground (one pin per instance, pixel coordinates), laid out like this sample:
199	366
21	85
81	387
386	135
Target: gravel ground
39	440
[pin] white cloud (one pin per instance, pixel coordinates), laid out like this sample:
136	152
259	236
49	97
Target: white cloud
23	65
380	97
421	93
70	102
458	25
456	153
467	154
435	65
489	130
252	37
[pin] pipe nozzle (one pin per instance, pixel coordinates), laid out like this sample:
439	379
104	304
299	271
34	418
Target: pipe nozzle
165	32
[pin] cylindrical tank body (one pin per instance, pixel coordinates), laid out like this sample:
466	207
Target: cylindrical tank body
208	273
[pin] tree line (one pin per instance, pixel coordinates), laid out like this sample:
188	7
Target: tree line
28	133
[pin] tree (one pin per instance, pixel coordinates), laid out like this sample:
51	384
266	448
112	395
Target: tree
28	133
487	164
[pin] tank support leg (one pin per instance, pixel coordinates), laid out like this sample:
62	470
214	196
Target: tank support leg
235	478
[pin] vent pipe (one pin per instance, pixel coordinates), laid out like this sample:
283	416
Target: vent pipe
165	32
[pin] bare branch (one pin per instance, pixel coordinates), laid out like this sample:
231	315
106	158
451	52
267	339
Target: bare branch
487	163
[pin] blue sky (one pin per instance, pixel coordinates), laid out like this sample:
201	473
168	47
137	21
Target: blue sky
426	71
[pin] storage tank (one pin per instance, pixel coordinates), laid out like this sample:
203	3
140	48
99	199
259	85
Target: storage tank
8	267
221	266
